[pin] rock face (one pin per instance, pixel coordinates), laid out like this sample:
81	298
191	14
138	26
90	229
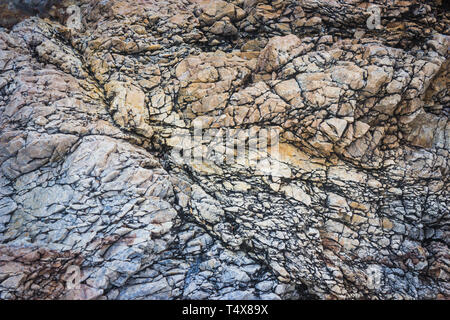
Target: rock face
337	186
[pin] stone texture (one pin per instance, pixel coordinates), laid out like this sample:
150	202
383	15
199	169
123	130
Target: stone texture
357	183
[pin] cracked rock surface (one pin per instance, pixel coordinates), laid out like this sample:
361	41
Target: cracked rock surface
351	203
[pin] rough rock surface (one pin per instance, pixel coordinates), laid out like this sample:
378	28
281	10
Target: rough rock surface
353	203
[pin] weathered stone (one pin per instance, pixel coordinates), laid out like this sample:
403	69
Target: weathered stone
319	162
277	52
